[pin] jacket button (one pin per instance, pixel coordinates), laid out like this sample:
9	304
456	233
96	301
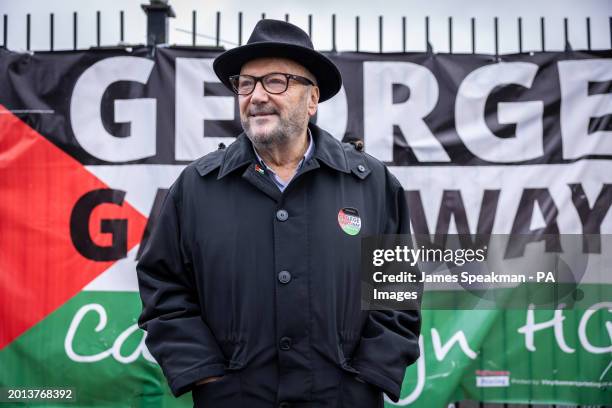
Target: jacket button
282	215
285	343
361	168
284	276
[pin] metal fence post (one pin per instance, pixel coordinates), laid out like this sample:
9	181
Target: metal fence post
157	12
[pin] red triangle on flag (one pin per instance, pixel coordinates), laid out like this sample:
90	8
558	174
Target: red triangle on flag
40	268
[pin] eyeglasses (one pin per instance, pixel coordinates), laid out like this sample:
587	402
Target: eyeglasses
274	82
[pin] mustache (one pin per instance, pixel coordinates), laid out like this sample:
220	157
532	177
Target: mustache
265	110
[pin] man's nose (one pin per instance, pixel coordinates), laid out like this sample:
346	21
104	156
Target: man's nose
259	93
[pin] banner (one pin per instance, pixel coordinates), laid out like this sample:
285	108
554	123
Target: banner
90	142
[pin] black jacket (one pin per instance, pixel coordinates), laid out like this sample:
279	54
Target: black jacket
263	288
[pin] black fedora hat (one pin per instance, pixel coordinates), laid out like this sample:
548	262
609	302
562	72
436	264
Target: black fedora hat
275	38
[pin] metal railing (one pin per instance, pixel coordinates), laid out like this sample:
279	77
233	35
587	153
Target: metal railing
157	30
428	45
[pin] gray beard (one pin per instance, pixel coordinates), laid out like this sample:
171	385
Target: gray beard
286	131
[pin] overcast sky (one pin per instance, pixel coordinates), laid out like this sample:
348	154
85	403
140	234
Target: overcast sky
392	11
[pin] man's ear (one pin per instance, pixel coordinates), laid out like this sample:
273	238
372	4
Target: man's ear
313	100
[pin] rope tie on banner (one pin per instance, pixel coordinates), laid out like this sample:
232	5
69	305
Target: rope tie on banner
430	50
428	46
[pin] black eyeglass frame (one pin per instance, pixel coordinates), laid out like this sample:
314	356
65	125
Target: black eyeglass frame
298	78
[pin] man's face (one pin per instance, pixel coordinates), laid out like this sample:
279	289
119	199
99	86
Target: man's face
276	118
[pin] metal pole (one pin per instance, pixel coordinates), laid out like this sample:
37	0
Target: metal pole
427	33
240	28
218	29
157	13
74	30
520	34
496	37
287	17
403	34
334	32
380	34
98	28
121	26
194	27
565	33
5	31
542	34
450	35
357	33
28	31
473	21
310	25
51	32
588	29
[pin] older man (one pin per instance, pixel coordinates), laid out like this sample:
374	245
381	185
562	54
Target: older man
251	278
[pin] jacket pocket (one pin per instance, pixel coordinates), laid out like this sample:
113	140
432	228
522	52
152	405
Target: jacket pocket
344	361
225	392
234	353
348	342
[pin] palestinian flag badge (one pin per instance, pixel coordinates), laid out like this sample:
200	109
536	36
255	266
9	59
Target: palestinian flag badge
349	220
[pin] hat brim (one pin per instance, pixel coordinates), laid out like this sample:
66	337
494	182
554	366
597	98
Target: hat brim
325	71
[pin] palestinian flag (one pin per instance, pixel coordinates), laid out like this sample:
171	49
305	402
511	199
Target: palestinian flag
90	141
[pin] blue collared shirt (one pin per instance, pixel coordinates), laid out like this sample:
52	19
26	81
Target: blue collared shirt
274	177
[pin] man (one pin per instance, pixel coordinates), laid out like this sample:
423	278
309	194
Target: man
251	278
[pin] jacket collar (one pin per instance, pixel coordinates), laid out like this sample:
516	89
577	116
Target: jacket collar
327	149
237	155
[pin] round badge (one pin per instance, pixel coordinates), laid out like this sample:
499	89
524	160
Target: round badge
349	220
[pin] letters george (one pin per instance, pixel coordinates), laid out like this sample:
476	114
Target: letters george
384	114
